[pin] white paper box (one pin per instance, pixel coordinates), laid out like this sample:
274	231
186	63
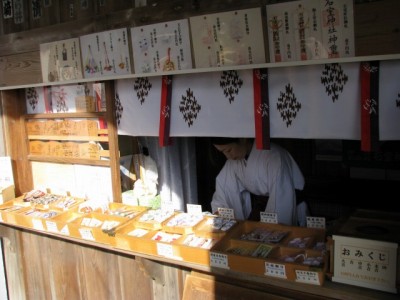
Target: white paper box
7	193
367	263
6	180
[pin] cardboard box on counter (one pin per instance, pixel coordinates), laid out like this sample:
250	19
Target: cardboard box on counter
366	251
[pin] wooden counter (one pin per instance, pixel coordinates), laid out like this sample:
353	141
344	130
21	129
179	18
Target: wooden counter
43	265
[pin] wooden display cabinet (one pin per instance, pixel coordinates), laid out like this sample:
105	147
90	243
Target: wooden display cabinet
69	143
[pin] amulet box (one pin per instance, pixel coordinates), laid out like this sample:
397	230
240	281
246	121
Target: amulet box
366	250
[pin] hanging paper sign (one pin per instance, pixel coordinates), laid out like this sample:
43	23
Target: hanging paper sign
309	29
161	47
36	9
7	9
261	108
165	111
105	53
228	38
369	73
138	105
61	60
389	100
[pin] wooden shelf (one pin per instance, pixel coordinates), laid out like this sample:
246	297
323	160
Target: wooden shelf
69	138
66	160
76	115
218	69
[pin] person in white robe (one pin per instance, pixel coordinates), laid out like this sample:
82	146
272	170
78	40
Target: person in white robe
248	170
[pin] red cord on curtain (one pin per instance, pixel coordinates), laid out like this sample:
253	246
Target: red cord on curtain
261	108
165	111
369	76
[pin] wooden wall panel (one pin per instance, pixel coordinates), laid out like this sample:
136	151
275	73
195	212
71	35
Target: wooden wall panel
63	267
377	28
140	279
42	267
43	13
204	288
108	6
20	69
13	108
19	20
35	261
76	10
12	262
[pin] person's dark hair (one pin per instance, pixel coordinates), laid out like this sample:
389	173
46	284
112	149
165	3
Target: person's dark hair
223	140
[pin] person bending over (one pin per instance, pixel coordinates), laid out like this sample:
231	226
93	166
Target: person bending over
254	180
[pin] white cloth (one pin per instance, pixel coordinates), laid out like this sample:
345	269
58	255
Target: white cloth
272	173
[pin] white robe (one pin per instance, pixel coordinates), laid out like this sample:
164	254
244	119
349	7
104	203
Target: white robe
272	173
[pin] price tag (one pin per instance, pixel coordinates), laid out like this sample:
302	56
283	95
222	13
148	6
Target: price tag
219	260
165	250
37	224
226	213
51	226
275	270
267	217
316	222
167	205
194	209
86	234
307	277
65	230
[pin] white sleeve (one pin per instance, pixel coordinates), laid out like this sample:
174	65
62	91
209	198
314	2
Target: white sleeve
229	193
282	197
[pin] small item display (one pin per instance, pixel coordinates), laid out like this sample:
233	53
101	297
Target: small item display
138	232
299	242
65	203
264	236
33	195
262	250
240	251
41	199
315	261
12	208
123	211
166	237
91	222
218	223
155	215
184	220
153	219
35	213
192	240
106	225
